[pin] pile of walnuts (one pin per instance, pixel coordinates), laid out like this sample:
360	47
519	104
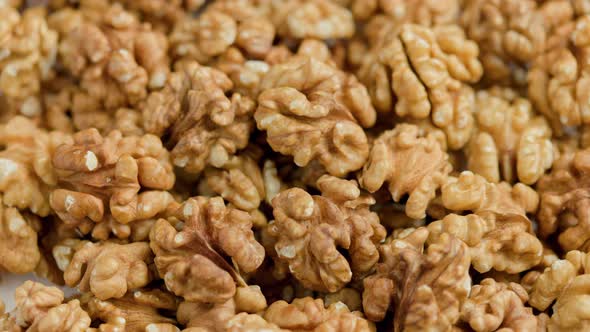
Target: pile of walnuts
296	165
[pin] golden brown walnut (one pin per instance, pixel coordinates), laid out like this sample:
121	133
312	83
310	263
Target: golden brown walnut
28	51
426	289
426	70
313	111
510	142
116	61
495	306
510	33
239	181
26	173
310	230
309	314
131	313
428	13
319	19
413	164
39	308
244	322
190	260
245	74
503	245
110	270
557	86
162	13
19	252
564	203
570	312
100	178
204	126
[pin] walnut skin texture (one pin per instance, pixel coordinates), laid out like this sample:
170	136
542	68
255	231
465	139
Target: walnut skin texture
563	201
111	269
100	177
412	164
309	230
205	127
311	110
426	289
190	261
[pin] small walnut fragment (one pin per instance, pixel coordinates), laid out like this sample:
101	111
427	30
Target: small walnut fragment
310	230
19	252
429	71
204	126
27	55
309	314
311	110
39	308
564	201
110	270
427	13
570	312
510	33
190	260
495	306
426	289
131	313
510	142
100	178
413	164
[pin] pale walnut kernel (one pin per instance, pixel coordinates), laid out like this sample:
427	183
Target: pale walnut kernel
33	300
319	19
190	260
27	55
557	83
426	289
100	177
413	164
116	61
244	322
495	306
67	317
310	230
131	313
205	126
309	314
511	142
428	13
108	269
311	110
571	312
18	240
162	13
564	201
429	69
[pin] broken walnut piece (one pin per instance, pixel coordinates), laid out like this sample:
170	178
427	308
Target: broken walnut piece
190	260
18	240
109	270
570	312
427	13
413	163
311	110
494	306
310	230
510	142
101	177
204	126
425	287
564	201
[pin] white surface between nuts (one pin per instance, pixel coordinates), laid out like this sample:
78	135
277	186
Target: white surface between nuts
9	282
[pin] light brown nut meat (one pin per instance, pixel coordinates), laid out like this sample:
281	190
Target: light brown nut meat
510	142
570	312
510	33
426	289
161	13
19	252
492	306
557	87
100	177
563	207
190	261
244	322
311	110
308	314
428	13
310	230
33	300
429	69
131	313
412	163
67	317
205	126
110	270
27	55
